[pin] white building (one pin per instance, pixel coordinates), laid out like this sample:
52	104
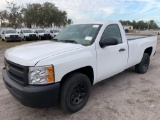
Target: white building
128	27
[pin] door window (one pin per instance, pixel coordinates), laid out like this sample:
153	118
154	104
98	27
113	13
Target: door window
112	31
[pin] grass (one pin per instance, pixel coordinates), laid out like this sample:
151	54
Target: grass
13	44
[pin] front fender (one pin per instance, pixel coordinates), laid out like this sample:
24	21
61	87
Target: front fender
69	61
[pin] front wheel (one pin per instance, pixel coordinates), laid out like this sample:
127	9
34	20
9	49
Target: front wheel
75	92
40	38
5	40
143	66
25	39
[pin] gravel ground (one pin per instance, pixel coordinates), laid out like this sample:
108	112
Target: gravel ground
126	96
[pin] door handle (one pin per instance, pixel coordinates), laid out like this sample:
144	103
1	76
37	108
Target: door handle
122	49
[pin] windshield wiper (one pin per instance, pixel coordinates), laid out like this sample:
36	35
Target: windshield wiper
66	41
70	41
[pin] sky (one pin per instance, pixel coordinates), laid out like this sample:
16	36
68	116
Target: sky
102	10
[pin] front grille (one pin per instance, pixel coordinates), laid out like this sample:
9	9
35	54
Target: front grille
14	36
17	72
32	35
47	35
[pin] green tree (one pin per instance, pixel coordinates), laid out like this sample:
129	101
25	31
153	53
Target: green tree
141	24
36	14
152	24
13	15
44	15
31	14
4	18
69	21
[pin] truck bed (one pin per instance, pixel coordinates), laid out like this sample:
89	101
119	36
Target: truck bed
136	36
137	45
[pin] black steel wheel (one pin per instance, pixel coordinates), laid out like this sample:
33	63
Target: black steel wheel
75	92
78	94
143	66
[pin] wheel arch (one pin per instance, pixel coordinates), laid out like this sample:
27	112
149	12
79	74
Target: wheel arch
149	51
88	71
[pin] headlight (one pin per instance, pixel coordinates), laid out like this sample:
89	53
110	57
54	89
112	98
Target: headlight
41	75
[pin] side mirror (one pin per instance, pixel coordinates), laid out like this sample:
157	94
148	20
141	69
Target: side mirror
108	42
2	32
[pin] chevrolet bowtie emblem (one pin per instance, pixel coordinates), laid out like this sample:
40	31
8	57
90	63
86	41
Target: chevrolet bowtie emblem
7	68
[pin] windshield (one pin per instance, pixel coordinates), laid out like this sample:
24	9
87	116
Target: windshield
56	31
27	31
41	31
10	31
80	34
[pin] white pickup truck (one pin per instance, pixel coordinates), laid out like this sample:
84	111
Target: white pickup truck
42	34
27	34
10	35
63	70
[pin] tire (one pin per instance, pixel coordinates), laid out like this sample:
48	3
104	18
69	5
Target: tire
75	92
25	39
143	66
6	40
40	38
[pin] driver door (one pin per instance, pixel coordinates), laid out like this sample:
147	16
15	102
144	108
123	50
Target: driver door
111	59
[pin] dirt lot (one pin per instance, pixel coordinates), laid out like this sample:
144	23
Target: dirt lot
126	96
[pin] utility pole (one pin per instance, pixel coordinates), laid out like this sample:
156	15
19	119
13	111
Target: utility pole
1	21
148	25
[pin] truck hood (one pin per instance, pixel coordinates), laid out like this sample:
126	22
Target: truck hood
30	54
41	33
27	34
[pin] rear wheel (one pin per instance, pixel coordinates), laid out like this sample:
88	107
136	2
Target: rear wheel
75	92
143	66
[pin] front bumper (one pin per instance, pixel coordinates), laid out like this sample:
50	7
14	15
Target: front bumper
13	39
31	37
45	37
32	96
